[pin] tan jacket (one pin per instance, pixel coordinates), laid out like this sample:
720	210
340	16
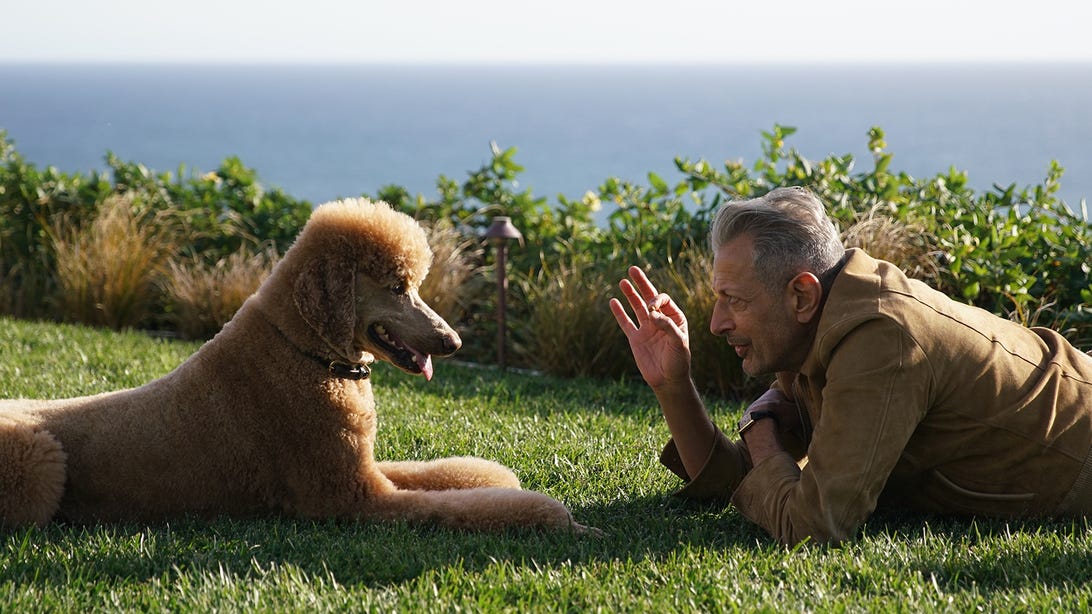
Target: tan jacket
917	401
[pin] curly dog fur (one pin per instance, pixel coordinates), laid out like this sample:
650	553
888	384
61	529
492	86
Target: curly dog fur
271	416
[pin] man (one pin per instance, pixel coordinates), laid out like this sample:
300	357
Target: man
886	392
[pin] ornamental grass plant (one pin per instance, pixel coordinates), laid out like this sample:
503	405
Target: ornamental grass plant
107	269
455	281
569	331
905	244
202	297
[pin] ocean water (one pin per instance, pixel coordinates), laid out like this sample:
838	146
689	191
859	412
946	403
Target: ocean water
323	132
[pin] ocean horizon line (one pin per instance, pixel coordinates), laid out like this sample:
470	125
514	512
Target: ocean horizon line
322	130
698	63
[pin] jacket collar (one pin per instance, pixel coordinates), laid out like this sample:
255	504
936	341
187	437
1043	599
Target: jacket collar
849	285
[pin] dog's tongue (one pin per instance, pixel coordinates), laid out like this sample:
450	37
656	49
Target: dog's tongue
422	360
426	366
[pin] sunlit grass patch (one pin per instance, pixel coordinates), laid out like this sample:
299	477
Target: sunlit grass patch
590	443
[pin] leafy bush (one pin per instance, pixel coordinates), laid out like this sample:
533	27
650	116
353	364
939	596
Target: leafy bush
218	214
224	210
30	202
1020	252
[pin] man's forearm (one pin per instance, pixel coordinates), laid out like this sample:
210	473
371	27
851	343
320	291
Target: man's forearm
689	423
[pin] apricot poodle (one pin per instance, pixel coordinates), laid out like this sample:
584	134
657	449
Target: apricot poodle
275	415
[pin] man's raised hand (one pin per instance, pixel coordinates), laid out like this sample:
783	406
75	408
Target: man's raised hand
659	339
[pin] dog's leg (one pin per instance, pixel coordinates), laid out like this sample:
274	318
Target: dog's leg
32	474
478	509
448	473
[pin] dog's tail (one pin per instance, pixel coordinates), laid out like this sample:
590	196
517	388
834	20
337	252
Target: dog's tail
32	474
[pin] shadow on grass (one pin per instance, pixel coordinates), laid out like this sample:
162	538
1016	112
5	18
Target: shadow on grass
374	554
955	553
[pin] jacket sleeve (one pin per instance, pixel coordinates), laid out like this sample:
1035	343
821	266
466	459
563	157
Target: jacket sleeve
877	390
719	476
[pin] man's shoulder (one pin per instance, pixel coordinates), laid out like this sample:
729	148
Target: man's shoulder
864	274
876	295
868	285
870	289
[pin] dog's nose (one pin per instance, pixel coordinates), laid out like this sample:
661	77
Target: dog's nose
452	343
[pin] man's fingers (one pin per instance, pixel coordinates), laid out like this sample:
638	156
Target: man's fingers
664	323
636	302
658	302
645	318
620	316
644	286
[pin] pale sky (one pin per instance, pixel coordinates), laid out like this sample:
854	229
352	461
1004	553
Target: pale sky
563	31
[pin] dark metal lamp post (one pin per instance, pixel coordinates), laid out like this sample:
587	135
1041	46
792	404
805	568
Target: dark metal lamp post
499	233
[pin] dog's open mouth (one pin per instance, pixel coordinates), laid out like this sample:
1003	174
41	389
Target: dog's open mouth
399	353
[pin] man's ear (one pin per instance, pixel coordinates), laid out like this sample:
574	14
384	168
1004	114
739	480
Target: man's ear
325	295
805	296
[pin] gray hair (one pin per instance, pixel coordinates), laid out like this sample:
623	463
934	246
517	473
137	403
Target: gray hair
791	231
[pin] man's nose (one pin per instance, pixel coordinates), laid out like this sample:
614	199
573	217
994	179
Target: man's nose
721	322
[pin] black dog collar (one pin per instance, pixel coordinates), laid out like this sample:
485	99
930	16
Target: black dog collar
345	370
338	368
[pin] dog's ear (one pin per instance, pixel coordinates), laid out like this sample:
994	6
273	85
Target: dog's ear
325	296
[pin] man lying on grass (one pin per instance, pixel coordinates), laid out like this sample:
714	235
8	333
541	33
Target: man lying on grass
887	392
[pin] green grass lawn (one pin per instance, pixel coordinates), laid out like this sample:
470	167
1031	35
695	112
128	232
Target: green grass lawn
591	444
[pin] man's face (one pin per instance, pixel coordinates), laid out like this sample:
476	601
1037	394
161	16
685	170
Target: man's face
761	325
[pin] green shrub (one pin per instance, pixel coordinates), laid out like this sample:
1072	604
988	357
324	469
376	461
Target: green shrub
224	210
1019	252
31	203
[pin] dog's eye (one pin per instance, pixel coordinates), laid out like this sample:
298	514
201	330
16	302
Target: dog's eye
398	289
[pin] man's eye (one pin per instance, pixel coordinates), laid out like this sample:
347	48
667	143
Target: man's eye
735	302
